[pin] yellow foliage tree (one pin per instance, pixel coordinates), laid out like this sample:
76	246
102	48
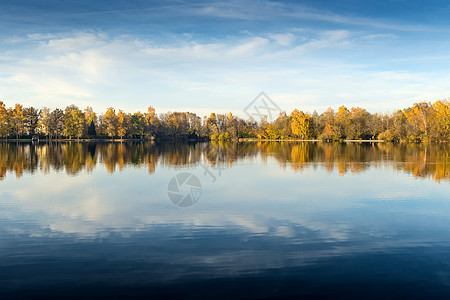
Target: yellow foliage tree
301	124
122	123
110	122
420	117
3	120
342	122
151	122
442	120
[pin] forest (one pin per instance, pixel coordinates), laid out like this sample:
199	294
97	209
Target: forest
422	122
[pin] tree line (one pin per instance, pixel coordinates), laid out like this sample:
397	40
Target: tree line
422	122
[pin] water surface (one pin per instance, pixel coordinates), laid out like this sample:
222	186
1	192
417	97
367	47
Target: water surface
270	220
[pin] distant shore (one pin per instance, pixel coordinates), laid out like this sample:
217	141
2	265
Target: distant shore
191	140
308	140
187	140
99	140
74	140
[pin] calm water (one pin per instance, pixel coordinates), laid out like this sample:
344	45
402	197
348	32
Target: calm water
270	220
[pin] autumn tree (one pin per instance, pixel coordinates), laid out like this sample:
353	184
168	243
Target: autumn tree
419	117
221	123
57	123
280	128
247	128
194	125
18	120
375	125
3	120
44	122
74	122
341	122
327	119
396	126
211	125
123	123
423	121
175	124
232	126
10	121
31	115
441	128
152	123
357	127
110	122
301	124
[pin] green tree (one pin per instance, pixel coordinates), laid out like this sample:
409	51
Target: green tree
316	126
91	131
91	121
138	124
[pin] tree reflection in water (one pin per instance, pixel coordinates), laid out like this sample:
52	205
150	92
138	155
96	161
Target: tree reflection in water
421	160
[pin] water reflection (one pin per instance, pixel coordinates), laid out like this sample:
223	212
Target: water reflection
283	219
425	161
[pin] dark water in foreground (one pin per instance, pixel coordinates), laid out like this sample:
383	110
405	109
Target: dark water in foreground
270	220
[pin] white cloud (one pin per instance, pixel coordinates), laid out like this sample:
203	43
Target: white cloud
327	40
251	46
283	39
311	69
78	42
380	36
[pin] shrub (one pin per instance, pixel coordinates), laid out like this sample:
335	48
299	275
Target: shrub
386	136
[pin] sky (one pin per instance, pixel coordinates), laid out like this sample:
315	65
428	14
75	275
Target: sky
217	56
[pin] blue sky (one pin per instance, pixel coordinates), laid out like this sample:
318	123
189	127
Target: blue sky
205	56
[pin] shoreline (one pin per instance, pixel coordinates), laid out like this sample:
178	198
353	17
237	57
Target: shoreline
99	140
75	140
308	140
28	140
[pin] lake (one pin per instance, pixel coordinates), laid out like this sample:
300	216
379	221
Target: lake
217	220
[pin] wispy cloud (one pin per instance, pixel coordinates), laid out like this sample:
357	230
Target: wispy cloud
271	11
283	39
